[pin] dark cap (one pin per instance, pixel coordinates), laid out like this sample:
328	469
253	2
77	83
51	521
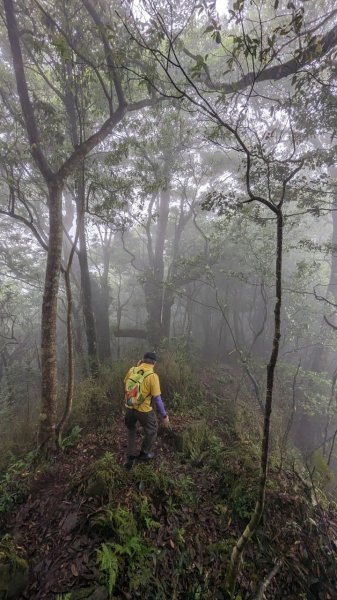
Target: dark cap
150	356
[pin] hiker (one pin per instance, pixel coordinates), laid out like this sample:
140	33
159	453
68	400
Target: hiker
142	388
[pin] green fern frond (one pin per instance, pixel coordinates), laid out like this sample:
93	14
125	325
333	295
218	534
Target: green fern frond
108	565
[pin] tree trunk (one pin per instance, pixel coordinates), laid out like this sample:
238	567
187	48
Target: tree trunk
332	288
168	302
153	299
320	355
49	318
101	302
154	284
85	279
71	369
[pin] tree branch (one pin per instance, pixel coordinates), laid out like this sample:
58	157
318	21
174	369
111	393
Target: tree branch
27	107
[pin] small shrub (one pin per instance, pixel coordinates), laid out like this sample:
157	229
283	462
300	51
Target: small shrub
103	520
198	443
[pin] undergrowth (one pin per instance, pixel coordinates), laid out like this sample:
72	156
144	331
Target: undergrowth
15	482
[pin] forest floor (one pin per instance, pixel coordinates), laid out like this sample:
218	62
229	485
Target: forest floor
91	529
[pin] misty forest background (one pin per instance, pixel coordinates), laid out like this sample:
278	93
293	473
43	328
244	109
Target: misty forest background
168	183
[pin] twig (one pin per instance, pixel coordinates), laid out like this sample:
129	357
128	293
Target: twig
267	580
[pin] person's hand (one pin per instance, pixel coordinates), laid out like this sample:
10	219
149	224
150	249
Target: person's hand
166	421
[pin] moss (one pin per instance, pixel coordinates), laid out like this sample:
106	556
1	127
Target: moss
14	570
106	476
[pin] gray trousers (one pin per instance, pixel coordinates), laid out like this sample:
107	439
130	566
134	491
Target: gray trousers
149	424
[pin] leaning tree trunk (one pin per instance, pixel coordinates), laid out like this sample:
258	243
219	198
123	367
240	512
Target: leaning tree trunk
238	549
49	319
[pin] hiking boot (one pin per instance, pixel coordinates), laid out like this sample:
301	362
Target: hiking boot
145	455
130	461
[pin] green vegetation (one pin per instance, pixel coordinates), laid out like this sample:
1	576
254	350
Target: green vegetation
70	440
13	569
106	476
145	529
15	482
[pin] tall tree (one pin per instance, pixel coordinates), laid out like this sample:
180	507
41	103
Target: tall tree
56	169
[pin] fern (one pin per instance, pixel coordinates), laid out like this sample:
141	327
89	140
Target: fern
145	515
124	523
103	519
70	440
108	564
133	547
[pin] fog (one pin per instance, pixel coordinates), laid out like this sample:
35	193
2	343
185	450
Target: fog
170	220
